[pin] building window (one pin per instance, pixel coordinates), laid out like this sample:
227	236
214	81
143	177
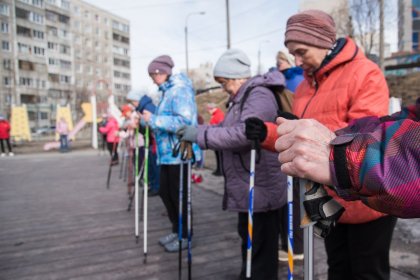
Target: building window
7	64
38	3
6	81
23	81
36	18
38	34
4	27
23	48
4	9
65	4
5	46
39	51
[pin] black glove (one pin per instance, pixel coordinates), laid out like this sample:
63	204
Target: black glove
255	129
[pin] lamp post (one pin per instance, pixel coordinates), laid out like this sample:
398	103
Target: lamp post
259	55
186	36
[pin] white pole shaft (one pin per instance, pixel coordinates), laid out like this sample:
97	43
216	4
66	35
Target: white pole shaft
146	186
136	186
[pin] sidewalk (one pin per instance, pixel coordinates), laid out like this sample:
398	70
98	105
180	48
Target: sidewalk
58	221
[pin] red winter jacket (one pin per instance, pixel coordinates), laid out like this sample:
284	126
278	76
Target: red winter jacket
217	116
4	129
348	87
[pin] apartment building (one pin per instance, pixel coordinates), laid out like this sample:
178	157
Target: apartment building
60	52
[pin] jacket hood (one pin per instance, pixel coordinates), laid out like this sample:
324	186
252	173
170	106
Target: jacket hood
269	79
177	80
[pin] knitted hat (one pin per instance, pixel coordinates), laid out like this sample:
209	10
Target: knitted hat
311	27
284	55
162	64
233	64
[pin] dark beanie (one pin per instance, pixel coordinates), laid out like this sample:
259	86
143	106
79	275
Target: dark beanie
162	64
311	27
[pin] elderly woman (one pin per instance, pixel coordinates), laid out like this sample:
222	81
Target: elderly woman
176	108
233	72
341	85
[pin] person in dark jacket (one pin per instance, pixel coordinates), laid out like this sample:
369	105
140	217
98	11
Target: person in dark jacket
232	71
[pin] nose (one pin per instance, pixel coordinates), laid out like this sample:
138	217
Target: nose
298	60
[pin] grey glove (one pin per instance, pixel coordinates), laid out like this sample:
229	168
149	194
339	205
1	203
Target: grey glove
187	133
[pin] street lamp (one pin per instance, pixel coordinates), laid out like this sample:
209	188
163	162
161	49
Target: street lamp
259	55
186	36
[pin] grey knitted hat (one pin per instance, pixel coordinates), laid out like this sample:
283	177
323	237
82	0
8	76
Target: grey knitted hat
233	64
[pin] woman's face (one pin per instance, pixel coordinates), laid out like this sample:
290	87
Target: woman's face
159	78
231	86
283	64
307	57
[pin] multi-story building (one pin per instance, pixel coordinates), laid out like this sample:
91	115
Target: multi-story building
60	52
409	25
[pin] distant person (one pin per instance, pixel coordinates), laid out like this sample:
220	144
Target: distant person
293	74
5	136
112	139
216	117
103	123
63	130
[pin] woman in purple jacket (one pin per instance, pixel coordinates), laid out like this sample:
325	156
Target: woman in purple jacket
232	71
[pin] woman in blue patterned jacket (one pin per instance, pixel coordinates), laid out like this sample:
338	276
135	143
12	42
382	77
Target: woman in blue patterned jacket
176	108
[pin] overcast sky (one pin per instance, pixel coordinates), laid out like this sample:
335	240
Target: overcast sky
157	27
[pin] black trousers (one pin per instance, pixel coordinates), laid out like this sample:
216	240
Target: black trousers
360	251
112	150
265	244
284	218
7	143
169	193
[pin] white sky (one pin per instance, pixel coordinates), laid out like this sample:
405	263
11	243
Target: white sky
157	27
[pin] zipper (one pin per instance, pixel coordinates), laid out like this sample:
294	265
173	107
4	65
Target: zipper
310	100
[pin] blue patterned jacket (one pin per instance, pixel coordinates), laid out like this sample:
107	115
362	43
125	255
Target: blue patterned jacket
176	108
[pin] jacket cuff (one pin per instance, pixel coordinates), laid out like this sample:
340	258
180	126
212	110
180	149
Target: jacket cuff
338	162
270	139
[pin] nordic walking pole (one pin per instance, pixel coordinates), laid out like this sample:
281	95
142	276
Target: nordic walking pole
308	230
189	208
136	186
250	211
123	149
132	195
108	180
181	188
145	186
290	226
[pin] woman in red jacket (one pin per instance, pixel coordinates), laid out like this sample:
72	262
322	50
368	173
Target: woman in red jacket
216	118
341	85
5	136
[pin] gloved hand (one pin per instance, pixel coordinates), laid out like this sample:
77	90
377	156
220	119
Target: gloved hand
187	133
255	129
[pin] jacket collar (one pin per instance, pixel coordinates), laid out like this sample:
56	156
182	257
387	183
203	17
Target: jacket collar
344	51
